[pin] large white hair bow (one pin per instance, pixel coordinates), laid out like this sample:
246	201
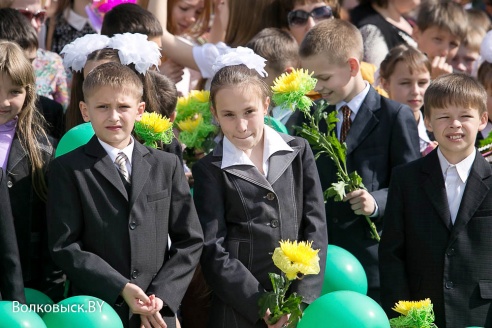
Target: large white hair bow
75	53
238	56
134	48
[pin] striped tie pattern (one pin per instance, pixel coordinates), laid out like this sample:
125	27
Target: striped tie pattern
120	162
346	123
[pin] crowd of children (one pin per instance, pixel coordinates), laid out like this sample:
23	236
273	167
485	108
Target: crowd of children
410	83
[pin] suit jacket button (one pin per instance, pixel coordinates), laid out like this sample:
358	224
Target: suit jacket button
449	285
9	184
274	223
450	252
270	196
134	274
133	225
335	220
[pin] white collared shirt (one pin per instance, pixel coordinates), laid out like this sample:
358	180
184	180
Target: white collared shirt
463	168
354	105
272	143
75	20
113	152
424	140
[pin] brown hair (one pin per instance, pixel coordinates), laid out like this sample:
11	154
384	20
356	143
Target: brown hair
167	95
455	89
473	38
30	124
237	76
412	57
446	15
113	75
201	25
336	39
484	75
246	18
286	6
478	18
277	46
131	18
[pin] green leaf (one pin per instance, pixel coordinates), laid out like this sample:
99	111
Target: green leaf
337	190
269	300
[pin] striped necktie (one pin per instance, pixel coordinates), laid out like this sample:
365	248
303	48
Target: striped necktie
120	162
346	123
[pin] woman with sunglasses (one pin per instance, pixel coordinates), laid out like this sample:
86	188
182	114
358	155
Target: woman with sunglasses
299	16
383	26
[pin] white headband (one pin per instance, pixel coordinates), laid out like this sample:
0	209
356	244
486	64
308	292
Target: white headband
133	48
238	56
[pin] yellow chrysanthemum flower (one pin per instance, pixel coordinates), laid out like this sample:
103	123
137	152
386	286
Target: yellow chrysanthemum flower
296	257
291	82
404	307
201	96
190	124
155	122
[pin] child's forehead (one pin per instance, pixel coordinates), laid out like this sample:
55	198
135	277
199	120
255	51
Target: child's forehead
439	30
110	91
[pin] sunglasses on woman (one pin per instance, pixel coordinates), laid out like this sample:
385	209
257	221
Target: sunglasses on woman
39	15
300	17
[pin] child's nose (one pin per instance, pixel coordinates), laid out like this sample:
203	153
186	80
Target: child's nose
242	125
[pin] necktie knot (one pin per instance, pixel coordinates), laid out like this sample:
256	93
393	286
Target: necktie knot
346	112
120	162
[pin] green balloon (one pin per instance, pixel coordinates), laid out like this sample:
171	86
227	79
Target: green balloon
18	317
83	311
275	124
36	297
342	309
75	137
343	272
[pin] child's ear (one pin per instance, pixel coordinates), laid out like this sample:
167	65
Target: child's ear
84	111
289	69
427	124
484	118
354	66
140	111
266	105
172	117
385	84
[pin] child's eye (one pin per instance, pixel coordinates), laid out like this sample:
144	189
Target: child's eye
453	45
437	39
16	92
404	83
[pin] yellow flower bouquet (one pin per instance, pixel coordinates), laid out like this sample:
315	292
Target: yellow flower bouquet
414	314
154	128
294	259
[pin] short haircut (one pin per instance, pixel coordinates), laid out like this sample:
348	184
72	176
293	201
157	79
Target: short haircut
484	75
473	38
446	15
131	18
414	59
479	18
167	94
336	39
457	89
15	27
286	6
113	75
238	76
277	46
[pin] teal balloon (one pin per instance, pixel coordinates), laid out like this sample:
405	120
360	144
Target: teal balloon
34	296
343	272
275	124
343	309
11	317
75	137
85	311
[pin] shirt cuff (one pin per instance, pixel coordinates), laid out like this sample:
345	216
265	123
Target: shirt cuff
375	214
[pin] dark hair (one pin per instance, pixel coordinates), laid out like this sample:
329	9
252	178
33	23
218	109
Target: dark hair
380	3
131	18
15	27
444	14
234	76
277	46
114	75
455	89
167	94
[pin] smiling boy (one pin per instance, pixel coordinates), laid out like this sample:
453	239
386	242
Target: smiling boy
436	242
112	204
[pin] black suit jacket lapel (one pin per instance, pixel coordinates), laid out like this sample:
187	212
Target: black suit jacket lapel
280	161
433	184
104	165
364	121
475	192
140	170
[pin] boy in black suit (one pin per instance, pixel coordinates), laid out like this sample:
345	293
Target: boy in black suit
112	204
380	134
436	242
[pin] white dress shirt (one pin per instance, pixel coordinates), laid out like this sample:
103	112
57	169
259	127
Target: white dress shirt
113	152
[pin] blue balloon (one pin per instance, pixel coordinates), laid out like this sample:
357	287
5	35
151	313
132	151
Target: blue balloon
343	272
18	316
75	137
344	309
